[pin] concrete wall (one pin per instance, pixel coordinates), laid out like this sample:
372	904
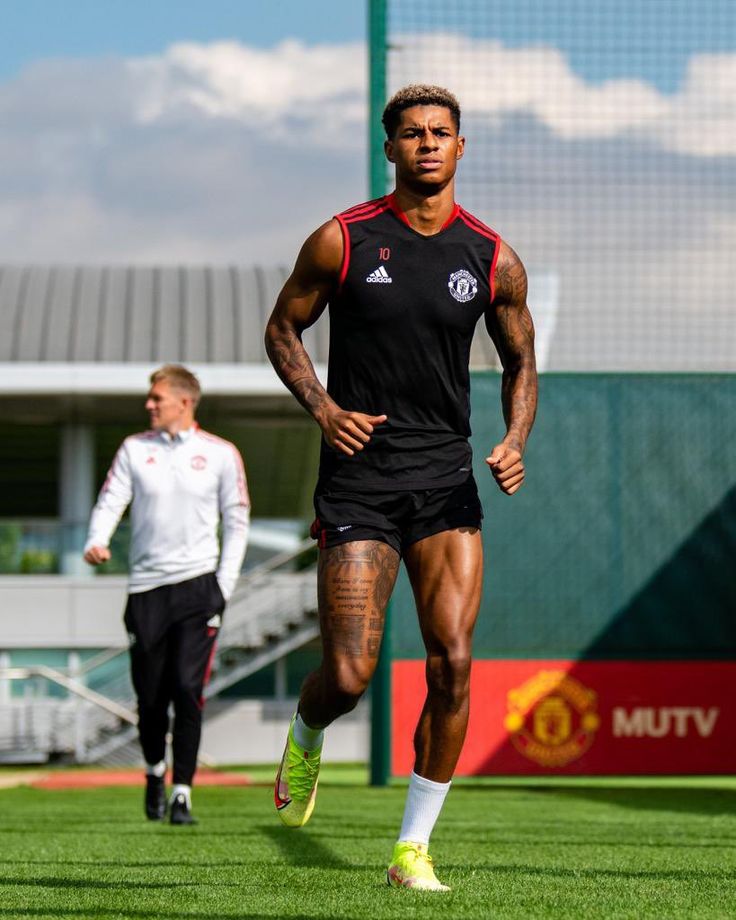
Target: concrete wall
53	611
234	731
254	731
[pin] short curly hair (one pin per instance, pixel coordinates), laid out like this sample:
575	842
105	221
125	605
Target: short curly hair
418	94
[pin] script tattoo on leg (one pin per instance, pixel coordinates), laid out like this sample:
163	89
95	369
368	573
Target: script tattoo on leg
355	583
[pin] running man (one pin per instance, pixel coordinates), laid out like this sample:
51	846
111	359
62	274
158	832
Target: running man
181	481
406	277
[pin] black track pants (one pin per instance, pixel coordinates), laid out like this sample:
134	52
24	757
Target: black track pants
173	630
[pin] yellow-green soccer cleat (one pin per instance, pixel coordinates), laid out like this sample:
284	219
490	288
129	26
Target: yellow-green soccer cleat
411	867
295	788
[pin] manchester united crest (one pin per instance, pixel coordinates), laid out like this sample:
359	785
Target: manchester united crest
552	718
462	285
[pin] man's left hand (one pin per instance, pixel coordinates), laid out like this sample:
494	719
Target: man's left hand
507	467
96	555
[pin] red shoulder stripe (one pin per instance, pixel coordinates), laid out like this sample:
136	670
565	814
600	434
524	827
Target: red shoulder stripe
366	215
138	436
366	205
492	272
477	225
208	436
361	206
242	481
106	483
366	212
489	234
345	250
354	215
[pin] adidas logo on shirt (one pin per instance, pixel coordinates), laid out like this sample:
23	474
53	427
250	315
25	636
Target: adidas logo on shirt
379	276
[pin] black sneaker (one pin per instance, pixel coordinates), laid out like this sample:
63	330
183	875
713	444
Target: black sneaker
179	811
155	798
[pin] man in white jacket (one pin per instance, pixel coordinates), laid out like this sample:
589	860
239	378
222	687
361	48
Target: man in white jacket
180	482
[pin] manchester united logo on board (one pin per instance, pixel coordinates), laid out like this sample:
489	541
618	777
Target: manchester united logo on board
462	285
552	718
199	462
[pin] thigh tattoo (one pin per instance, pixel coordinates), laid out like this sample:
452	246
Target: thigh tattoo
355	583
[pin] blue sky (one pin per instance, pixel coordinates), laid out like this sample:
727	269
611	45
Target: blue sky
622	36
608	39
33	29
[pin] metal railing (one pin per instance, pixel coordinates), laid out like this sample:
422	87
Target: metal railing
270	615
73	686
38	723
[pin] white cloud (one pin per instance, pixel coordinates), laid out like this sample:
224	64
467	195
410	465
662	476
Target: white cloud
212	152
292	92
316	94
702	117
494	81
223	153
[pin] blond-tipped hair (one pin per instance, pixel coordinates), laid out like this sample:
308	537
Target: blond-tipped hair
418	94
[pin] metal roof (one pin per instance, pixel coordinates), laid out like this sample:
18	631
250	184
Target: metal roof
138	315
143	315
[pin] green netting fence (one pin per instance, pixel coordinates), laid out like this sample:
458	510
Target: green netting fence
621	544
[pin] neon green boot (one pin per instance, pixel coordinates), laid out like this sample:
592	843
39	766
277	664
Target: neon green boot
411	867
295	789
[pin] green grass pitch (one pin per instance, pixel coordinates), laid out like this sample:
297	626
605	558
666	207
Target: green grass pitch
565	849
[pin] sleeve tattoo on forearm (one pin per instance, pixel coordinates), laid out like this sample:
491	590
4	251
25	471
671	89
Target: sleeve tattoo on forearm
294	367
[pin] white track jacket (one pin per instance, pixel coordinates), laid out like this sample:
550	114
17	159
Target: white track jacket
179	487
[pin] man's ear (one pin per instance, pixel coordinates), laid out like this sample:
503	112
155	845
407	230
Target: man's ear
388	149
460	147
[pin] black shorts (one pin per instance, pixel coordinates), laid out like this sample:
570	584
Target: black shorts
396	518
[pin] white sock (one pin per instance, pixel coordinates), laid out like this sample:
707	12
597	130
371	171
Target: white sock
424	802
308	738
156	769
181	789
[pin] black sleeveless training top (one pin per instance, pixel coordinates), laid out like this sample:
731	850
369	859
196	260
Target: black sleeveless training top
401	324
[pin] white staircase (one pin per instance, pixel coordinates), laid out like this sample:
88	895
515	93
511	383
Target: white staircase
272	613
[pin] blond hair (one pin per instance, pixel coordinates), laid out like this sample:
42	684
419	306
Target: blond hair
179	377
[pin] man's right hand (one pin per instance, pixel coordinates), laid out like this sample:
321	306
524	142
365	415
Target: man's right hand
349	431
96	555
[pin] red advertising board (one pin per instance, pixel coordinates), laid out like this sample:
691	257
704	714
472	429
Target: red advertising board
583	717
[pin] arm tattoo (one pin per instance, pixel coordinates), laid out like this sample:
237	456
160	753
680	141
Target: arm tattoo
293	365
355	583
510	325
301	302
